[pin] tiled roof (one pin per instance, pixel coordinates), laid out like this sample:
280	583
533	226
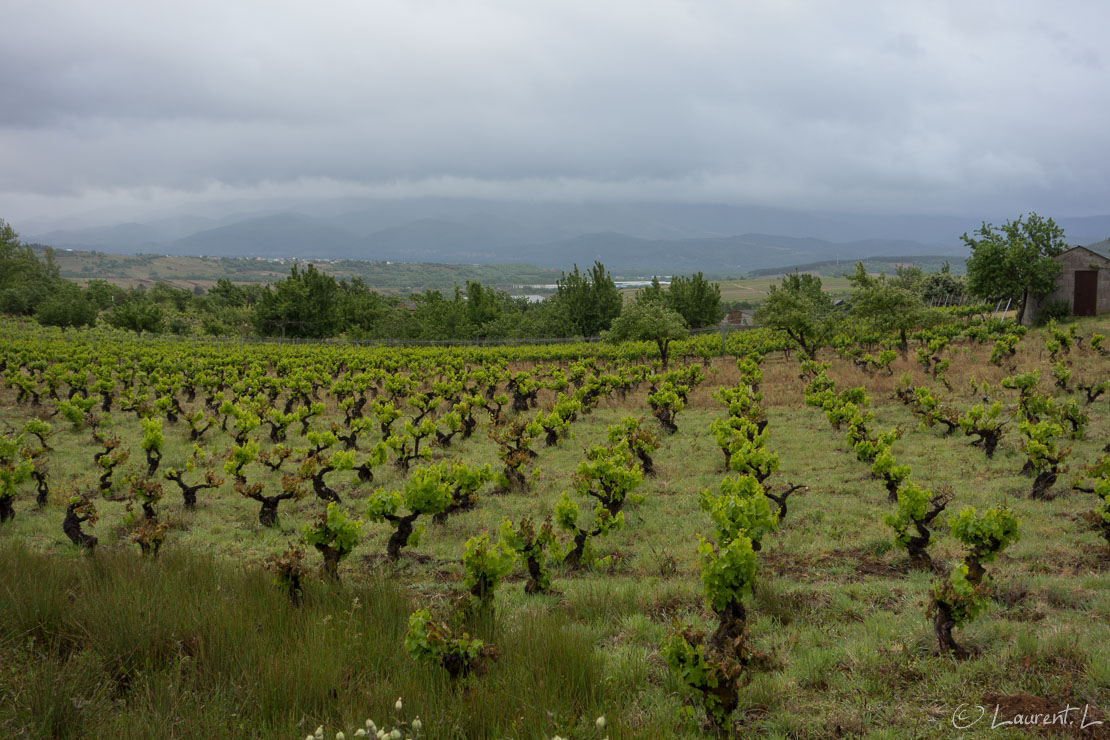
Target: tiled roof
1101	248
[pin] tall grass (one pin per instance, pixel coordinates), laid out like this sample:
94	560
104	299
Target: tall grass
187	646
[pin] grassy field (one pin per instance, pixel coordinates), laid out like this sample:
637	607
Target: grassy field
198	643
755	289
875	265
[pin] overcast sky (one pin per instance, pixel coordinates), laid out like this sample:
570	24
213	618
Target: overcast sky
917	107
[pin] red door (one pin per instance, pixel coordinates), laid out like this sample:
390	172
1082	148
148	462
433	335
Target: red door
1086	292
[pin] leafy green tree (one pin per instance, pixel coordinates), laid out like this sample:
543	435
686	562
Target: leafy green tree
482	306
889	307
9	240
305	304
103	295
227	293
1015	260
802	310
654	293
909	277
591	300
438	317
220	320
548	318
943	287
67	305
696	299
137	315
165	293
25	280
648	321
361	308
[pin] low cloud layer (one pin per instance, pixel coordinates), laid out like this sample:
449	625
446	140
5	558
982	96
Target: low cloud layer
918	107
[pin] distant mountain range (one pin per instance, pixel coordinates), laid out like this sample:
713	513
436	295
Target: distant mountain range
630	238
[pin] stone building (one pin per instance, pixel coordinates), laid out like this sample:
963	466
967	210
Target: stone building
1084	282
737	319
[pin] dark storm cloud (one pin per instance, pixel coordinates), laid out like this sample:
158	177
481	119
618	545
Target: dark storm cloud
868	106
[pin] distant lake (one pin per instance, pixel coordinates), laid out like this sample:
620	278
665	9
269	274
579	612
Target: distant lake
639	283
621	284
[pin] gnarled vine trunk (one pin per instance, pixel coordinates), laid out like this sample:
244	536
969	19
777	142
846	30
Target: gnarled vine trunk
919	556
780	498
71	526
458	503
42	487
943	623
731	633
321	489
1042	483
332	556
574	557
400	537
535	572
666	419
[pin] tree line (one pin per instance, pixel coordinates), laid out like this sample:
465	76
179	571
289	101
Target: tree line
309	303
312	304
1014	261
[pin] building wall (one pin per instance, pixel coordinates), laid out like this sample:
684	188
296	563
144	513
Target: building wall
1072	260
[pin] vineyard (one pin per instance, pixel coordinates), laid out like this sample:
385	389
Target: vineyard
570	540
